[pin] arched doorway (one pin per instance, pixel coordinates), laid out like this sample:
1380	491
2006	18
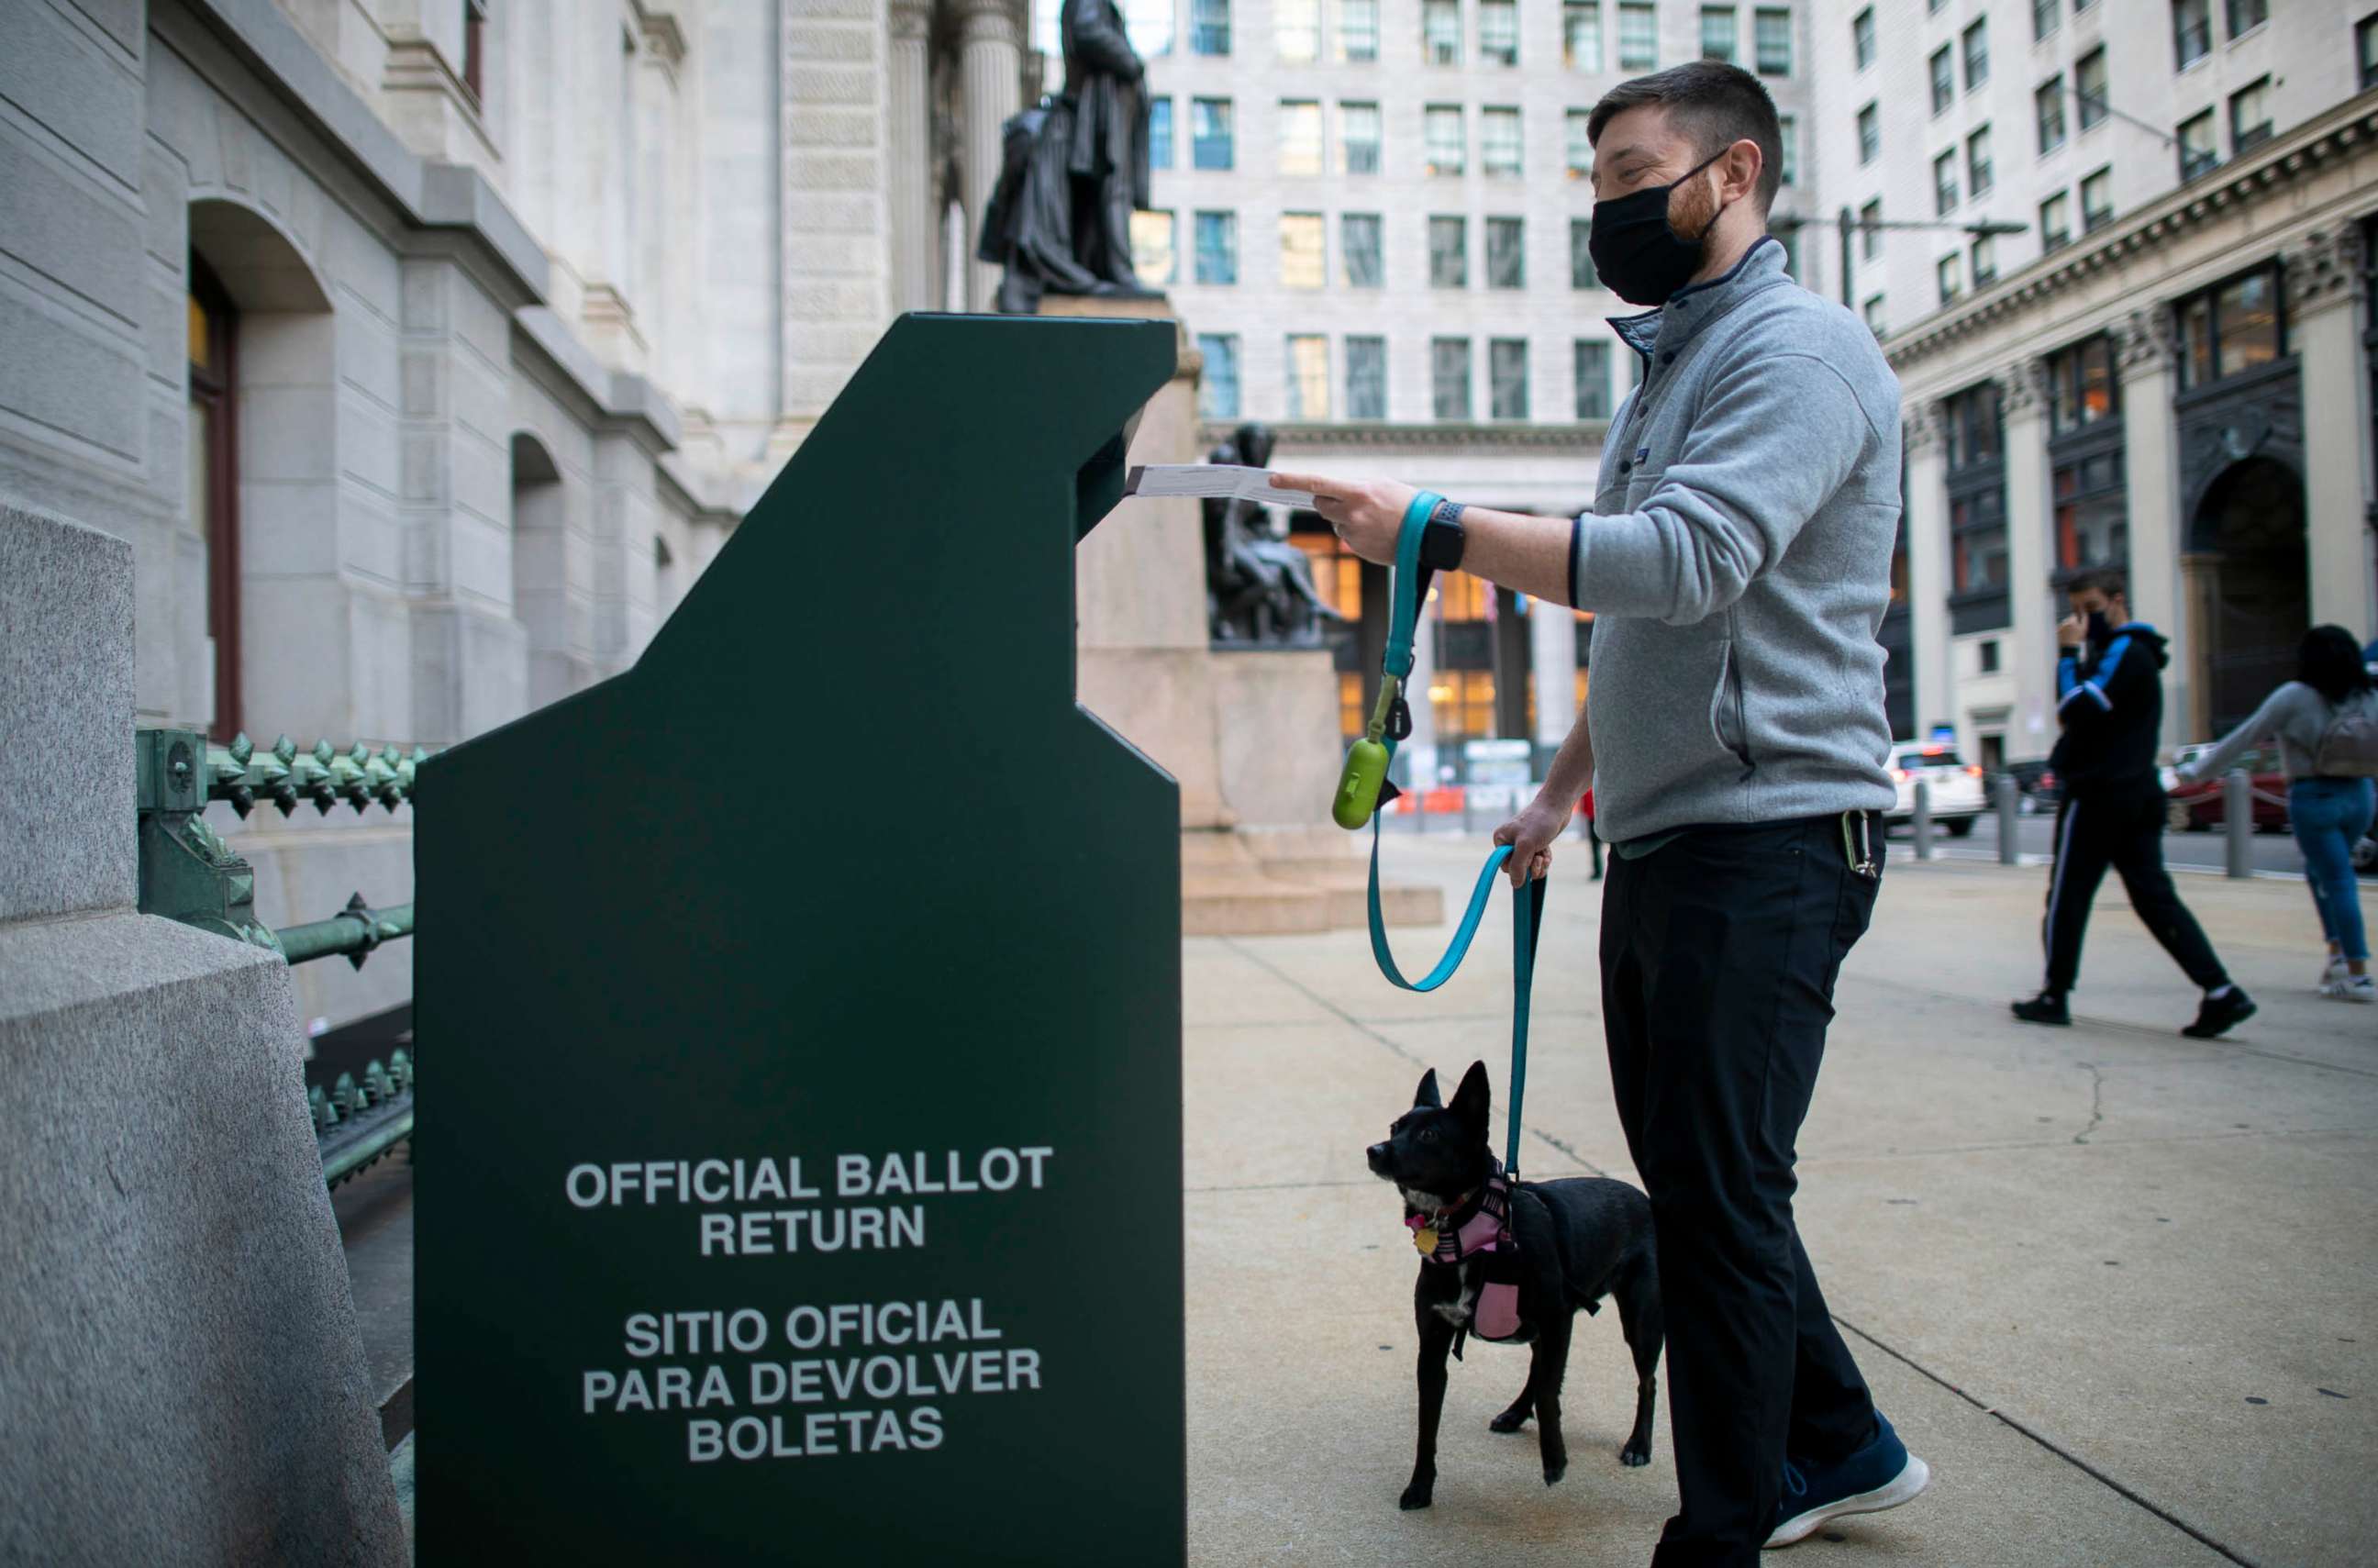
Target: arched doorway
552	576
2255	599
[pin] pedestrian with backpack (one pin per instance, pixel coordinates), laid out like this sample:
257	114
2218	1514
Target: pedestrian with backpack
2327	723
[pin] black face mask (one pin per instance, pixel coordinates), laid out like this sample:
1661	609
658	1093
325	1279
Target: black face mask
2101	630
1636	253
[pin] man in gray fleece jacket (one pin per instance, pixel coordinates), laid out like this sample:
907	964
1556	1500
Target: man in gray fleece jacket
1737	563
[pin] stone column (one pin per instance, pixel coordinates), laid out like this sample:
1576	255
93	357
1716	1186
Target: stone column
991	54
2146	359
2031	729
910	153
1927	567
2323	290
1552	653
1420	746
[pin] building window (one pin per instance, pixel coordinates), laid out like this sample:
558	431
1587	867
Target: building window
1719	30
1296	30
2055	223
1440	31
1448	364
1299	137
1210	145
2048	107
1580	254
1775	42
1870	230
1986	260
2191	30
1357	139
1862	37
1357	239
2080	386
1950	273
1499	31
1506	256
2200	146
1358	32
474	49
2365	48
2232	328
1944	79
1979	173
1367	378
2089	87
1581	144
1977	485
1944	183
1448	148
1870	127
1789	129
1159	133
212	480
1463	700
1506	366
1448	253
2098	200
1308	375
1303	260
2045	16
2247	15
1593	379
1209	30
1977	54
1582	35
2093	513
1790	241
1153	253
1499	143
2250	115
1639	37
1874	318
1218	387
1218	247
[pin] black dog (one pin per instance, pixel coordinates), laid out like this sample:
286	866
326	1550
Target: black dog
1577	1240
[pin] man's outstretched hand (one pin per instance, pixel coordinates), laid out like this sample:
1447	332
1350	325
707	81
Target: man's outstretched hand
1530	835
1367	514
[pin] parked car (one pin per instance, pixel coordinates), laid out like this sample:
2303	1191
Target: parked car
2201	807
1956	788
2037	782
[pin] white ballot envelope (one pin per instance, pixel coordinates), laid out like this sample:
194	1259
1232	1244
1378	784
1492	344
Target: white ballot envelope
1203	479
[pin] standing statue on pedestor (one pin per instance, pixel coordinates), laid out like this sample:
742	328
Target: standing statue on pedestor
1073	171
1258	587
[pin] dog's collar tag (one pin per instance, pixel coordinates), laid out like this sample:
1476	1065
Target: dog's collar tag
1425	1240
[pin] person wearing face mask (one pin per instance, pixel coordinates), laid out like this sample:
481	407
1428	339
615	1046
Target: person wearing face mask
2110	701
1737	561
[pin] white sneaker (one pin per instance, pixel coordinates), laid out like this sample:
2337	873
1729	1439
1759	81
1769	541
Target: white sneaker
2330	971
2351	988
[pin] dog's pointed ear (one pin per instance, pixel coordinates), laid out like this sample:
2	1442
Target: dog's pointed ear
1473	1099
1428	1099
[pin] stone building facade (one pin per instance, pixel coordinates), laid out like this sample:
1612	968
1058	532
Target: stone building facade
2167	370
425	351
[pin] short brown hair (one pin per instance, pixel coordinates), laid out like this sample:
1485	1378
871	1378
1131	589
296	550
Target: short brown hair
1714	105
2106	579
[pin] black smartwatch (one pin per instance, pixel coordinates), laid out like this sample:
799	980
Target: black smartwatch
1441	542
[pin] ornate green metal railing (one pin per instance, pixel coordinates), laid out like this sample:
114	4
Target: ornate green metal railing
358	1122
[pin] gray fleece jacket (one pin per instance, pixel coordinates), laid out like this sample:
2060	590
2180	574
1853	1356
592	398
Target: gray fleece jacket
2299	716
1738	562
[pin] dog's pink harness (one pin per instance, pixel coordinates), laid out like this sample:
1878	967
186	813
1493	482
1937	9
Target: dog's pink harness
1488	1229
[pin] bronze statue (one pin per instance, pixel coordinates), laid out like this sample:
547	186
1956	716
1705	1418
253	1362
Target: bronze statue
1258	588
1072	172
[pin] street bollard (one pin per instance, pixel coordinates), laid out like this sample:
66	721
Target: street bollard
2010	805
1468	793
1923	824
2237	820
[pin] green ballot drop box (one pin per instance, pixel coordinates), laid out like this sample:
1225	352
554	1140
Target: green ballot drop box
802	1178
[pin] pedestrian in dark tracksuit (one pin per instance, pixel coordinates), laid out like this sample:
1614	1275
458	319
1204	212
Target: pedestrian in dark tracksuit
2109	700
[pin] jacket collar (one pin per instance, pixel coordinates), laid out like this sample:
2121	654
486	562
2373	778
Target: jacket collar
1695	305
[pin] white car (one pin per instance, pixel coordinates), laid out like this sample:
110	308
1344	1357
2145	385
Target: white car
1958	794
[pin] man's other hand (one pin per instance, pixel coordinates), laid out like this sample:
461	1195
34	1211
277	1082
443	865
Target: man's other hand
1367	514
1530	835
2073	631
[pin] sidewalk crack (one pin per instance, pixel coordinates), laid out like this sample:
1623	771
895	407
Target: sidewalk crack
2097	1100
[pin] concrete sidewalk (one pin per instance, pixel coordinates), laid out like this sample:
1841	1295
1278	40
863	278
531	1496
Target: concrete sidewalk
2121	1288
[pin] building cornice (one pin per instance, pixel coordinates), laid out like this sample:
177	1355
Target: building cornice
1480	440
2343	132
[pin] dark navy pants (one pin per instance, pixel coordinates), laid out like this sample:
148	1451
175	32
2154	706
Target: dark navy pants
1719	953
2122	829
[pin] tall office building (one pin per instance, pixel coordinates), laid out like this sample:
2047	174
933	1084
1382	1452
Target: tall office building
2165	366
1371	214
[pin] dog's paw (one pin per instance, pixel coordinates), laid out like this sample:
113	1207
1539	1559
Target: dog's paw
1555	1470
1635	1454
1420	1494
1508	1422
